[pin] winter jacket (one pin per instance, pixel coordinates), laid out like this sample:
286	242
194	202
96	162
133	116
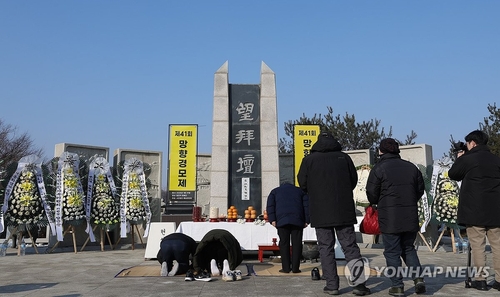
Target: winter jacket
187	242
479	200
213	240
395	185
328	176
288	205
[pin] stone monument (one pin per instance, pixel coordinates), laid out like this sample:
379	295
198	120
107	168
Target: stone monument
245	166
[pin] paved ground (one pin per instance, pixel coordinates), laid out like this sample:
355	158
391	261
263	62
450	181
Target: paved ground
92	273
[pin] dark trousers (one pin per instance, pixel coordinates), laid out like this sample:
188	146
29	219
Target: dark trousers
400	247
294	233
177	250
326	245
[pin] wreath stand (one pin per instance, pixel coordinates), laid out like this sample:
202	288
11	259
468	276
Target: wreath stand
70	229
102	239
425	241
20	239
452	233
133	236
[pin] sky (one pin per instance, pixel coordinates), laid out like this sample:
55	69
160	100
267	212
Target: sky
116	74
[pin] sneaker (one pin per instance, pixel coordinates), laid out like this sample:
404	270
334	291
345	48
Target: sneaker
496	285
173	272
189	276
361	290
203	276
238	274
213	268
315	274
397	291
419	285
164	269
328	291
228	276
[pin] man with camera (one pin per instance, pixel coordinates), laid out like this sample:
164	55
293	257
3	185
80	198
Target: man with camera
479	202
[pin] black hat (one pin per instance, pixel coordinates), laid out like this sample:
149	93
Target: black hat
326	134
389	145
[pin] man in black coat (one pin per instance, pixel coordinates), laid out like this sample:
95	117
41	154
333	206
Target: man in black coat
179	247
479	202
288	211
396	185
328	176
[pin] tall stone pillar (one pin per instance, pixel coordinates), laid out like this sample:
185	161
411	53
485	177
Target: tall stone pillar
219	177
269	131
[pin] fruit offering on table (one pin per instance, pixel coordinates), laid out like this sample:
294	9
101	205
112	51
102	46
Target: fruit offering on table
232	213
222	218
250	213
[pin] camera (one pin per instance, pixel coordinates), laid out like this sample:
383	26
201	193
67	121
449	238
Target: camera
459	146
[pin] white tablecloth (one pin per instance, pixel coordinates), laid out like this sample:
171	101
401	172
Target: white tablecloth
248	234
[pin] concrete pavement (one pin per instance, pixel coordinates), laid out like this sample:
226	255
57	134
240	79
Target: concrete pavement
92	273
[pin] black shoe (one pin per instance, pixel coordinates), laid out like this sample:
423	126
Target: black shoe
361	290
397	291
480	285
315	274
203	276
496	286
296	271
419	285
284	271
189	276
330	291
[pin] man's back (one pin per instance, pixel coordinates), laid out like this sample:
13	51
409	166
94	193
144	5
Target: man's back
479	171
328	176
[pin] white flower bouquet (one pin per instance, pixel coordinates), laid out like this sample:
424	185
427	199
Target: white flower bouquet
24	204
445	205
72	198
136	212
104	207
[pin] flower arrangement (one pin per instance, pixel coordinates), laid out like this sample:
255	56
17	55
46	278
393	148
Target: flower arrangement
134	202
25	200
72	198
104	207
136	212
446	202
24	204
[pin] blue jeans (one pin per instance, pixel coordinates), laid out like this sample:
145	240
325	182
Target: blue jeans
398	248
